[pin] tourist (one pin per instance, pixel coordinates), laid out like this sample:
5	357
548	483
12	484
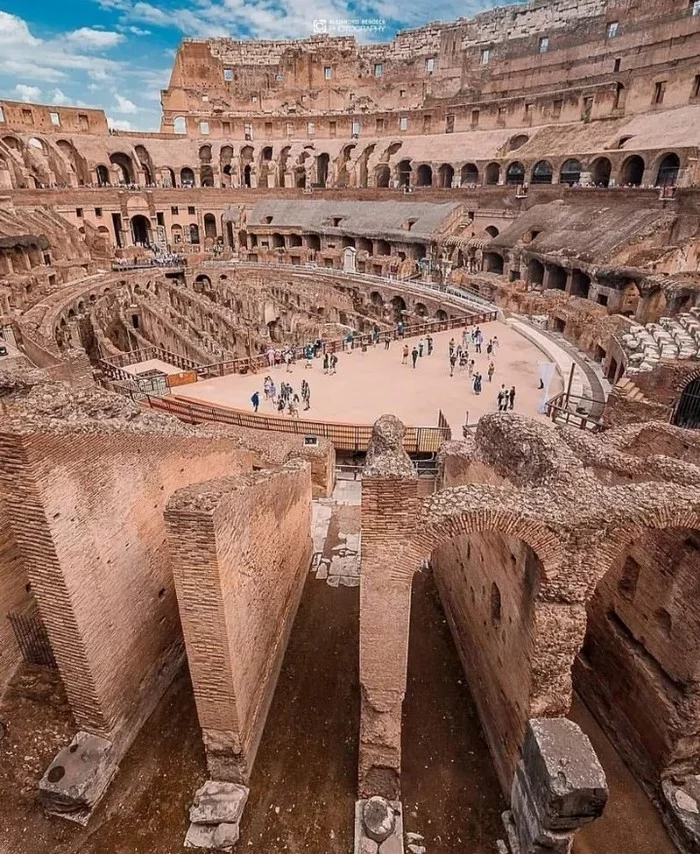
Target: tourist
470	368
476	384
270	353
255	400
465	339
453	362
326	360
280	404
293	409
451	346
420	349
288	361
387	341
496	343
414	355
489	349
477	342
491	370
404	360
273	392
334	362
502	399
511	396
463	360
429	341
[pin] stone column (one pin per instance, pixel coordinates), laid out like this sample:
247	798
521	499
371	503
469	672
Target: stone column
389	509
559	786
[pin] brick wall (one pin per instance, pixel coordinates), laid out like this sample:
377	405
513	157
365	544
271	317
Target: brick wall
14	596
488	585
639	669
87	515
241	552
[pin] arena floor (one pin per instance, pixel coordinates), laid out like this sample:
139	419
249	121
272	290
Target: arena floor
370	384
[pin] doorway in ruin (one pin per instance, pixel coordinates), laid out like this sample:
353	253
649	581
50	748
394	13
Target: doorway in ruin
443	748
600	172
424	176
632	172
403	173
535	272
140	230
687	412
639	669
668	171
322	163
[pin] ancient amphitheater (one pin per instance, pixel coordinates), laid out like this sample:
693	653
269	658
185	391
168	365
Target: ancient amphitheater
387	616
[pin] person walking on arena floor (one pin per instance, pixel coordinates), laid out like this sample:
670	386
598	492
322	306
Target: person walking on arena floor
404	360
511	396
414	355
255	400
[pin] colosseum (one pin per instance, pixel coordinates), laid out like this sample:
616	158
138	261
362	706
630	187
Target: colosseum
426	312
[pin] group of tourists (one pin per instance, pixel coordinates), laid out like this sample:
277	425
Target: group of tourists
286	400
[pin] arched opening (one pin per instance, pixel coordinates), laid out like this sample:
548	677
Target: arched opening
205	154
247	175
424	176
632	171
600	172
403	172
176	233
491	230
493	263
187	177
102	174
469	174
570	172
420	309
168	177
295	240
398	307
206	176
210	226
493	173
517	141
441	315
376	299
542	172
322	162
382	247
300	177
180	125
638	666
446	175
687	413
580	284
278	240
313	241
668	171
535	272
557	277
515	173
194	233
382	175
619	96
364	244
141	230
125	167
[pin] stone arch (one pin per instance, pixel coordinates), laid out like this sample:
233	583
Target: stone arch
668	169
542	173
492	231
469	174
187	177
493	173
141	230
403	173
515	173
686	411
322	163
446	175
210	226
124	165
570	172
102	174
493	263
600	171
180	125
382	175
632	171
424	175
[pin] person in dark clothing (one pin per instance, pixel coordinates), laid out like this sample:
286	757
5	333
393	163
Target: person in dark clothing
453	362
255	400
511	396
414	355
429	341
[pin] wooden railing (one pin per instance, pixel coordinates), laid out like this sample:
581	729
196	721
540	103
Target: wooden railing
559	409
345	437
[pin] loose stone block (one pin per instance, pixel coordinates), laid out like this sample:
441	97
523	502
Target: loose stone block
216	802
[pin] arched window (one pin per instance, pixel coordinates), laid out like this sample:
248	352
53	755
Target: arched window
668	171
382	175
445	175
687	412
542	172
403	172
493	173
194	233
187	177
210	226
570	172
515	173
124	166
180	124
102	175
600	172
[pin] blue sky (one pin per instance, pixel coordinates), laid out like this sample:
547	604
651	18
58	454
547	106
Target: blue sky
117	54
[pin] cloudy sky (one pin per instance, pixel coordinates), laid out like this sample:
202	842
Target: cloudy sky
117	54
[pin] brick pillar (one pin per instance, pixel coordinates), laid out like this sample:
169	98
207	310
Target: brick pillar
389	509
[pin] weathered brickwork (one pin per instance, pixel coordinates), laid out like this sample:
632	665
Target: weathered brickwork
241	552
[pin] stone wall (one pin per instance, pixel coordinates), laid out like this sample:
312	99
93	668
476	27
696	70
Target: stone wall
488	584
87	517
15	596
241	549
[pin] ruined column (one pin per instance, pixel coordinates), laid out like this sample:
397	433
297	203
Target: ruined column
389	510
558	787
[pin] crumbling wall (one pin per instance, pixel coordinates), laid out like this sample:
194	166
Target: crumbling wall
639	670
241	551
15	595
86	510
488	584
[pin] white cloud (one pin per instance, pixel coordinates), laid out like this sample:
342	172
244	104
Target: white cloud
91	39
119	124
60	99
28	93
124	105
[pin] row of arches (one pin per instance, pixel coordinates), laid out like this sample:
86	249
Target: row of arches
631	173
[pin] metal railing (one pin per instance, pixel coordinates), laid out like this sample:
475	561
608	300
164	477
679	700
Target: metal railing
345	437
